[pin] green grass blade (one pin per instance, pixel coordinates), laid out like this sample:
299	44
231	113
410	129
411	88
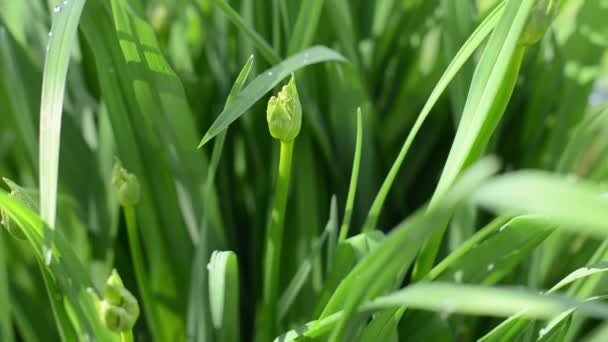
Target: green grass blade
574	206
62	38
462	299
354	180
224	295
265	82
265	49
309	15
490	92
66	277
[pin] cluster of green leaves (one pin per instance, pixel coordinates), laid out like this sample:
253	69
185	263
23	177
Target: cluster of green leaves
397	227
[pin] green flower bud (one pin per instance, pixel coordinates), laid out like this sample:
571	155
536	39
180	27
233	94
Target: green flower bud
125	186
11	226
541	16
119	309
284	113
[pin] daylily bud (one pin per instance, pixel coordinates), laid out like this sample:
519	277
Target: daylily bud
541	16
11	226
126	186
119	309
284	113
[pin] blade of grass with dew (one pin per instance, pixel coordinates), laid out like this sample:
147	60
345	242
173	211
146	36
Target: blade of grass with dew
6	329
387	264
66	274
354	179
266	50
462	299
62	38
459	60
302	36
491	88
198	322
265	82
495	256
224	295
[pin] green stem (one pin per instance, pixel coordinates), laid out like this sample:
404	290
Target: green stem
274	240
126	336
354	178
140	271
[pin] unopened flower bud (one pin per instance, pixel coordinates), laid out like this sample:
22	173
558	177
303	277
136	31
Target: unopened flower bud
118	309
125	186
284	113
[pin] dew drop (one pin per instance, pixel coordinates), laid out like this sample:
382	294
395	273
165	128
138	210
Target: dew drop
542	332
502	228
65	2
269	73
57	9
50	33
490	267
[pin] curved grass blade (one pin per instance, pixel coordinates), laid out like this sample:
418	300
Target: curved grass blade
574	206
491	89
224	295
62	38
67	281
463	55
265	82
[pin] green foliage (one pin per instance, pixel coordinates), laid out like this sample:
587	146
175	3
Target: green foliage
448	180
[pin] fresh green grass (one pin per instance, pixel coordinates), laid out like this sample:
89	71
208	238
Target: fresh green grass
430	170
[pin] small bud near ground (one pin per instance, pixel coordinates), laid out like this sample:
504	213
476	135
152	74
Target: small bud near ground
284	113
542	14
126	186
118	309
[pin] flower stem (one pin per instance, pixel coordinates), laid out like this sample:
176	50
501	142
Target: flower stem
140	271
274	239
126	336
